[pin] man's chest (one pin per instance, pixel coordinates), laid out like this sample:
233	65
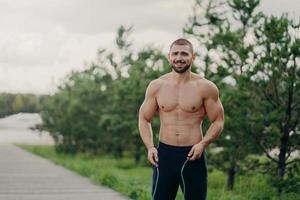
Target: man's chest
187	98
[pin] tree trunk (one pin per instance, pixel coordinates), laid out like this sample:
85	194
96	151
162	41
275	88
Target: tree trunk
230	175
137	155
282	158
119	151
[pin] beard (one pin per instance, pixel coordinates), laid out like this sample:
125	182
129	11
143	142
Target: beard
181	69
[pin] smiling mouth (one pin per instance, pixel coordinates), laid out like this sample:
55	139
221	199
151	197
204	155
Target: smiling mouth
180	63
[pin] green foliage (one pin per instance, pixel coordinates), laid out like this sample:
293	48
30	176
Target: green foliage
274	82
229	152
252	58
260	55
244	10
96	110
291	184
137	190
109	180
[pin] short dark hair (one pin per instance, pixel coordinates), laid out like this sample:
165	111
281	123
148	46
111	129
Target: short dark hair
182	41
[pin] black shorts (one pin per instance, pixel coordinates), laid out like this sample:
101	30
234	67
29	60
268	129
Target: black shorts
174	169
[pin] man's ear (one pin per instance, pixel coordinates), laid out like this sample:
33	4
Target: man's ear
168	56
194	56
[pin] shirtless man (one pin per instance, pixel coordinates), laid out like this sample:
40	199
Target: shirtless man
182	99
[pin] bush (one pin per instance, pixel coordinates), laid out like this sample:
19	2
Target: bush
125	164
136	191
109	180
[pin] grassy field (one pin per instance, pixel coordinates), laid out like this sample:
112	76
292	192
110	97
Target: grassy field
135	181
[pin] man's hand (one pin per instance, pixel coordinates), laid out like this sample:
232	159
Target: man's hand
196	151
153	156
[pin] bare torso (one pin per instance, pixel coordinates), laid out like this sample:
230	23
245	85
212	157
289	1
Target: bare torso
181	110
182	99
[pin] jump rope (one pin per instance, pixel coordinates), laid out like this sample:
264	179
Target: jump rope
181	174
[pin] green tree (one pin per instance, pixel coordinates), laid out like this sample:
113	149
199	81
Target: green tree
127	92
96	110
258	54
224	54
18	103
274	81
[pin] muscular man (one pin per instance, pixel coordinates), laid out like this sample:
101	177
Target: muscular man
182	99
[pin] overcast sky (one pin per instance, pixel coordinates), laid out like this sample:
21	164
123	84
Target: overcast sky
41	41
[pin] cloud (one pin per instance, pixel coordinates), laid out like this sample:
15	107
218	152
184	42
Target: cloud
277	7
29	48
41	41
31	73
92	16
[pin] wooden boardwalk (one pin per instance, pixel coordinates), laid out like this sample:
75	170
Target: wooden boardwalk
24	176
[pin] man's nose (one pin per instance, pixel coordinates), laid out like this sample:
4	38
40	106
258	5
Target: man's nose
178	57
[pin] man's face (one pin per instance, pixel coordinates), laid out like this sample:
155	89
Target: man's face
181	58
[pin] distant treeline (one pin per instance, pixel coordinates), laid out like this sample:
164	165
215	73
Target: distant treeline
15	103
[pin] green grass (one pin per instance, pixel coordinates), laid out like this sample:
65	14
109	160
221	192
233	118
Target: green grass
135	181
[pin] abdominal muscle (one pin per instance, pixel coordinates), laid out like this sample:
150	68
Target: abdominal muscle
180	128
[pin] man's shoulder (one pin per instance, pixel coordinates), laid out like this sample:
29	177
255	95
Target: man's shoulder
156	83
154	86
164	77
208	86
207	83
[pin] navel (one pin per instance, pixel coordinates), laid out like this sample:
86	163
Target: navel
193	107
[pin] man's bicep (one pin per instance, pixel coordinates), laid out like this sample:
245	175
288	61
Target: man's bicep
148	108
213	105
214	109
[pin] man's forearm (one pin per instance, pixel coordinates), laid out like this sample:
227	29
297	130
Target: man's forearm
213	132
146	133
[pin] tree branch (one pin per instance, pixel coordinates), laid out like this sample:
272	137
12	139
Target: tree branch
292	161
264	149
274	103
297	120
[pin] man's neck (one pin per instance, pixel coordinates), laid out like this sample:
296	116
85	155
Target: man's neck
181	78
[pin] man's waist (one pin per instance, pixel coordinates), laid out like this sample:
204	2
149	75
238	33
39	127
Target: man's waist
163	145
